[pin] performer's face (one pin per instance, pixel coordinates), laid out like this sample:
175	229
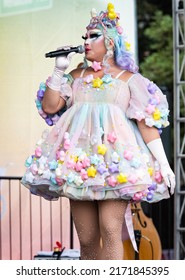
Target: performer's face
94	45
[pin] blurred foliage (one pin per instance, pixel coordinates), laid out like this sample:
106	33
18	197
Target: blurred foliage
157	62
155	41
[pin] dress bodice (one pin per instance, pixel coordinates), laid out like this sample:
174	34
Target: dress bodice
107	90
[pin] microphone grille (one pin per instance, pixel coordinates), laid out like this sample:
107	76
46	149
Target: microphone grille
81	49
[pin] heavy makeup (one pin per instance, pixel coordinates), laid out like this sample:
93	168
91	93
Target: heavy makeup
94	45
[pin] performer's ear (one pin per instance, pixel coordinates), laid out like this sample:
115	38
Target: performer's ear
111	42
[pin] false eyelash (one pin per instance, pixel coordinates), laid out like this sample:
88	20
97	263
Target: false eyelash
84	37
95	35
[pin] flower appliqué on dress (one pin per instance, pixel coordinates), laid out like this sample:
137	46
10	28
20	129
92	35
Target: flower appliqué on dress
98	82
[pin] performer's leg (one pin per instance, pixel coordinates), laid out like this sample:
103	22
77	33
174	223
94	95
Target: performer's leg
111	219
85	216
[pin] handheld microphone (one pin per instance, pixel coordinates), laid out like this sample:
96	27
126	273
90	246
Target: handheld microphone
79	49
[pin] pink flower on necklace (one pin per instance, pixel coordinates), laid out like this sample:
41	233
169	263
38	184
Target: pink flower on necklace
96	66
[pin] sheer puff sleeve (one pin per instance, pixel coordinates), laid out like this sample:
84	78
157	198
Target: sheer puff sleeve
147	102
65	93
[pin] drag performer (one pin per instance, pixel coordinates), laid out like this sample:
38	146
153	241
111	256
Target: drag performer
104	151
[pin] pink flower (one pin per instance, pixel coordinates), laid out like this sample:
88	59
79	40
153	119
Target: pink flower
42	113
66	144
71	164
112	181
119	29
96	66
34	169
78	166
128	154
86	162
59	181
158	177
111	137
60	155
150	109
38	152
138	196
132	179
83	174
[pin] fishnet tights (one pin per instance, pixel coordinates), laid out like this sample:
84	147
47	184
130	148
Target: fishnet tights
99	228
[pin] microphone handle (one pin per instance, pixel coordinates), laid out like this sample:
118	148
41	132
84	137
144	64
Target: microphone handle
61	52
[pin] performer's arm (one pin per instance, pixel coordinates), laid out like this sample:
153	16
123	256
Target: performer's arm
153	140
52	101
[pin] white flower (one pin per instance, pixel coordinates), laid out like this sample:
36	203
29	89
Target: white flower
29	177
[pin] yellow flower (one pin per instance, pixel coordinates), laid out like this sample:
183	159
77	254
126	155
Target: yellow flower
97	82
128	46
102	149
91	171
112	15
150	171
156	114
75	158
122	178
110	6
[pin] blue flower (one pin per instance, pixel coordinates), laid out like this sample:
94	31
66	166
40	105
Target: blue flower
53	164
107	78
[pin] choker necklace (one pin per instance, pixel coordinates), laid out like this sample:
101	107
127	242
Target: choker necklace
96	66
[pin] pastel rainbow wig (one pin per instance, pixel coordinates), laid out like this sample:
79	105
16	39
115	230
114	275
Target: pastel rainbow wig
108	23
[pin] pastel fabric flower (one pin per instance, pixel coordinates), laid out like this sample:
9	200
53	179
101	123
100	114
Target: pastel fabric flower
112	181
67	144
102	168
152	88
102	149
111	137
147	102
97	82
94	159
107	78
29	161
38	152
114	168
88	79
84	174
128	46
128	154
51	119
96	66
115	157
91	171
122	178
53	164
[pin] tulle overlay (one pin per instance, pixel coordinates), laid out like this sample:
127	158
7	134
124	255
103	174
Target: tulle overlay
95	150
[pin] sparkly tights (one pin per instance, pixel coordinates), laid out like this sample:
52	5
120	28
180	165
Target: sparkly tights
99	228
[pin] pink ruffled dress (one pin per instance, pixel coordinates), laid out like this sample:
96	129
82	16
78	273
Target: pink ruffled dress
95	150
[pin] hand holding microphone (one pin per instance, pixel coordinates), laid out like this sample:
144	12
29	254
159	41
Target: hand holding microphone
63	58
